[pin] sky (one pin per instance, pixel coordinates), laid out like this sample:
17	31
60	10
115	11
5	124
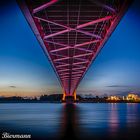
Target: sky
26	71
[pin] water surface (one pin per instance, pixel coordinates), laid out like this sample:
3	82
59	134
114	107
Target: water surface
74	121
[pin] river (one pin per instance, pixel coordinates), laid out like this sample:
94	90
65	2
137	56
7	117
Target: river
74	121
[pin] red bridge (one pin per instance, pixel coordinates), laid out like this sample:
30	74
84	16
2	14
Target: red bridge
72	33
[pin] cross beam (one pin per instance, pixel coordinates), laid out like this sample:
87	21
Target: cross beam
76	56
93	22
109	8
66	47
68	29
44	6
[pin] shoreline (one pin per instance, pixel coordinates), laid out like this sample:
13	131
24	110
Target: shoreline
64	102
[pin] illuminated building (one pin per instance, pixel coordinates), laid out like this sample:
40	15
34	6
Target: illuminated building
114	98
132	97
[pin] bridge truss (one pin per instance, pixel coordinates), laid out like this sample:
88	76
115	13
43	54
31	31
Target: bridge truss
72	33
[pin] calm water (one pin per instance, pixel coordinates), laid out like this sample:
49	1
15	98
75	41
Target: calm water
79	121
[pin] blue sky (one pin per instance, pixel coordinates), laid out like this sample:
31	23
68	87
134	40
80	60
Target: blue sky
117	68
25	70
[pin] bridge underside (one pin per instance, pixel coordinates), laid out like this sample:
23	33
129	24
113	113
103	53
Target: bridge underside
72	33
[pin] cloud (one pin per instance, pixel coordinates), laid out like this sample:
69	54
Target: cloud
12	86
117	86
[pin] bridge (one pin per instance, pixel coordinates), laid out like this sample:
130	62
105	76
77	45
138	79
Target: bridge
72	33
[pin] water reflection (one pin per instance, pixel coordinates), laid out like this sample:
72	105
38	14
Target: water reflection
71	121
69	127
113	119
124	121
132	118
109	121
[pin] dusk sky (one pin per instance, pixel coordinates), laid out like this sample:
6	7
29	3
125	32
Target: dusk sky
25	70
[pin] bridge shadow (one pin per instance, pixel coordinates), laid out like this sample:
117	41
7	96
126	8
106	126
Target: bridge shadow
70	129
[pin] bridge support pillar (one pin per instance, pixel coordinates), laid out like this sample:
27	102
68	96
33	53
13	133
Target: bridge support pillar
64	96
67	98
74	95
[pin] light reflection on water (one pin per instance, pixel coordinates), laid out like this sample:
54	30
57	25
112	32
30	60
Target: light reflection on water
113	117
75	121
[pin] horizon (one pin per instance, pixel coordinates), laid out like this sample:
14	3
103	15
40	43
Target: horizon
82	95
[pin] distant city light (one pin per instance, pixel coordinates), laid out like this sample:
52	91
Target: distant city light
130	97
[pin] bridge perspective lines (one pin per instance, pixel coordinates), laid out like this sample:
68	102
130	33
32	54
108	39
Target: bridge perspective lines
72	33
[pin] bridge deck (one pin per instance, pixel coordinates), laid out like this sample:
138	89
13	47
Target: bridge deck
72	32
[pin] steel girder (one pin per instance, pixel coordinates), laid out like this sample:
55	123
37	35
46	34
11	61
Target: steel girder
72	33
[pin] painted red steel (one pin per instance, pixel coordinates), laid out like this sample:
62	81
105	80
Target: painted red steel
72	32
